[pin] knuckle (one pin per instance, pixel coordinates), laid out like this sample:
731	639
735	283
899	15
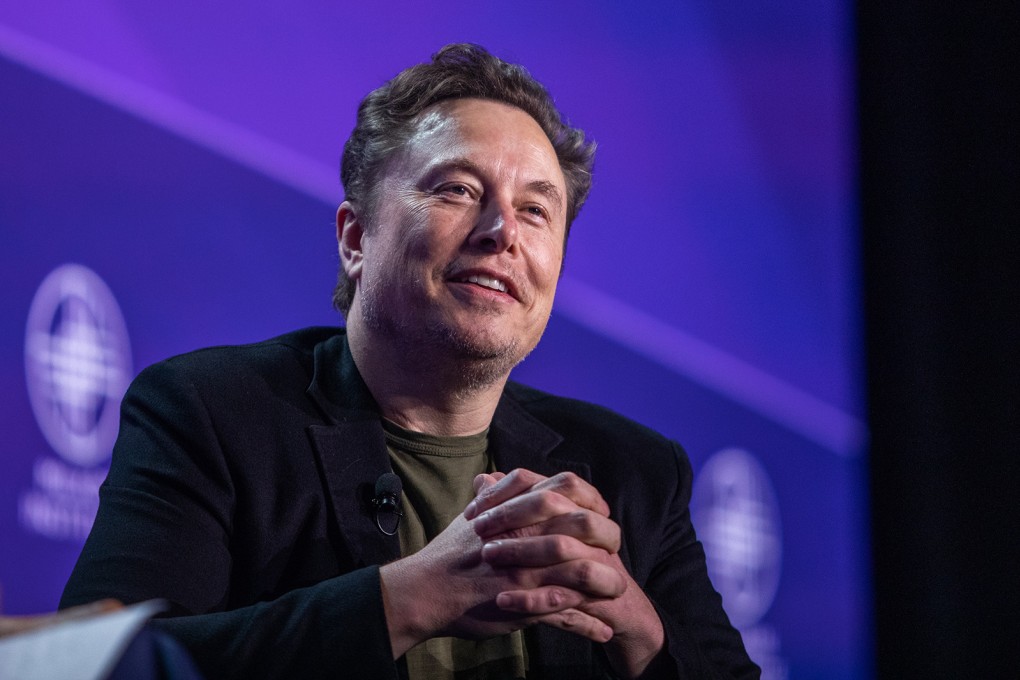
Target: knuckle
559	547
487	490
583	523
571	619
555	597
568	481
548	502
512	477
502	513
583	574
522	477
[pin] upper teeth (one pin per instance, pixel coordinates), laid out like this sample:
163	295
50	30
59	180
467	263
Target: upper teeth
488	282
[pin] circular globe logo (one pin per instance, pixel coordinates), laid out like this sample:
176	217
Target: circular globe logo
734	509
77	363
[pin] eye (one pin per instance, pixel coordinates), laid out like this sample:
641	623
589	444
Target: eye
536	211
455	189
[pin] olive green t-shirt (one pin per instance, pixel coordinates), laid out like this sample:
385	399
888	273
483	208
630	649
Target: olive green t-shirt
437	474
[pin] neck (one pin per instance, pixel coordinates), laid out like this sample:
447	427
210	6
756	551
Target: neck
420	391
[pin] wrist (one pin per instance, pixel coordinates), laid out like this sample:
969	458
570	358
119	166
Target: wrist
404	609
637	646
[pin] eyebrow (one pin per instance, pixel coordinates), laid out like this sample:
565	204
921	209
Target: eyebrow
453	164
549	190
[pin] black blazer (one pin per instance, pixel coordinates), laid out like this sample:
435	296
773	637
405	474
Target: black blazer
238	492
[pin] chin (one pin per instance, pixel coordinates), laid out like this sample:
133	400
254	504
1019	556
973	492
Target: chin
482	347
485	356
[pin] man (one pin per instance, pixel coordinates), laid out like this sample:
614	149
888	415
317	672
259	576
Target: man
540	537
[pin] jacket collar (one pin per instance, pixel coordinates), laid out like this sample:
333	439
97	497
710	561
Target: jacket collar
336	386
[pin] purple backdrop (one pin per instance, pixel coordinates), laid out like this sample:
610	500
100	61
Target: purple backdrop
185	156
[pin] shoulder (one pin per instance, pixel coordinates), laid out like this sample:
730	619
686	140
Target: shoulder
277	362
596	432
579	418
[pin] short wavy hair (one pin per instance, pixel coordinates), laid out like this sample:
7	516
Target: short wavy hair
387	119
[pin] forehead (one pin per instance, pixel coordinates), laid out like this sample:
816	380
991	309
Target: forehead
501	137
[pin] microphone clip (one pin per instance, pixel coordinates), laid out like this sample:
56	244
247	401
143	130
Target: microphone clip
386	503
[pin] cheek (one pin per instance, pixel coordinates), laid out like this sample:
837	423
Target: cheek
406	242
547	262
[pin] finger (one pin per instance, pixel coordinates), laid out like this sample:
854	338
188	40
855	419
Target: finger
556	607
522	511
576	489
539	601
539	513
545	544
485	480
538	551
579	623
513	484
520	481
591	578
587	527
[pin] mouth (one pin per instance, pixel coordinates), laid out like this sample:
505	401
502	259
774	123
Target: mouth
486	280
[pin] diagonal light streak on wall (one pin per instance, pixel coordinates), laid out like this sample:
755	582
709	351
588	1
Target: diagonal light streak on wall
225	138
722	372
608	316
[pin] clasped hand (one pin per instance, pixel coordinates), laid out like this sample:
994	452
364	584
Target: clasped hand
557	530
528	549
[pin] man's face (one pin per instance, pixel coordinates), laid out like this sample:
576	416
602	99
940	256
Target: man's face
467	236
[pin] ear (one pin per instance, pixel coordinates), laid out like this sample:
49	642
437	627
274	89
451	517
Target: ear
349	231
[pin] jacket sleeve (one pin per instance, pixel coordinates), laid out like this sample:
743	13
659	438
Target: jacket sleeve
700	640
164	530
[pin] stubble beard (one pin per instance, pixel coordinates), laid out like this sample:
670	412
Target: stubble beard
469	361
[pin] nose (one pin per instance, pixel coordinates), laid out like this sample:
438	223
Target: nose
496	229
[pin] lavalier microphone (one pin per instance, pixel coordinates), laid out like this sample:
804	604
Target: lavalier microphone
386	503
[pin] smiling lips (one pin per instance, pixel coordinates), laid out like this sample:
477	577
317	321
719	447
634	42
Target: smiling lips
485	281
488	282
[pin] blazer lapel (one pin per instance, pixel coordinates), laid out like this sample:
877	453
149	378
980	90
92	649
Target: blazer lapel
351	453
519	440
352	456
